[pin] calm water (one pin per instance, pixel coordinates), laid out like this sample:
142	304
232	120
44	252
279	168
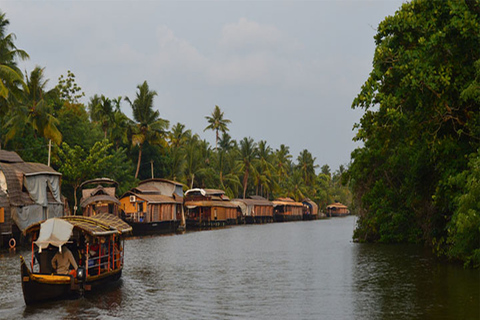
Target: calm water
296	270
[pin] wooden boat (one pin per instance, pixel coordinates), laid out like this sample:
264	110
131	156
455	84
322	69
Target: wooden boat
155	206
98	196
287	209
310	210
209	208
96	244
255	209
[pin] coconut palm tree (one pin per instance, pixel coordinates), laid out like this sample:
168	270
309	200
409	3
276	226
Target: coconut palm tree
306	164
35	110
248	153
217	123
282	164
149	126
102	111
11	77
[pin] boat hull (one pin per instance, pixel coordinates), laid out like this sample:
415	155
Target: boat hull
46	287
153	228
286	218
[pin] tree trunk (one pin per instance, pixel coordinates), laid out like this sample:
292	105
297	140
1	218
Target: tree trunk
139	161
245	181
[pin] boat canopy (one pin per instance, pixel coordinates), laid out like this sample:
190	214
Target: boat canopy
57	231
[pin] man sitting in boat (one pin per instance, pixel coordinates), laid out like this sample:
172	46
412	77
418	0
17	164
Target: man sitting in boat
62	260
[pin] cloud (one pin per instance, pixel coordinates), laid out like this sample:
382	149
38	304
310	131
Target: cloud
250	35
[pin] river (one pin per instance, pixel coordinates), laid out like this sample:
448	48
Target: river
295	270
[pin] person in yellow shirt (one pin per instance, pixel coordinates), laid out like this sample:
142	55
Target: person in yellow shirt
62	260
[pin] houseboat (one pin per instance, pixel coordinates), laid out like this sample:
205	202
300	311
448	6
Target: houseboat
98	196
72	255
337	209
255	209
155	206
29	193
207	208
310	210
286	209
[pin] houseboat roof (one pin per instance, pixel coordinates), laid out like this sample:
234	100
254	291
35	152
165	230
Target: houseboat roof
224	204
160	180
286	202
15	169
100	181
98	225
255	201
215	194
336	205
99	198
9	157
154	198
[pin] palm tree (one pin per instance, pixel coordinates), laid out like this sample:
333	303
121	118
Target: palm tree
121	125
247	160
265	168
149	127
178	138
35	110
282	164
102	111
306	164
11	77
217	123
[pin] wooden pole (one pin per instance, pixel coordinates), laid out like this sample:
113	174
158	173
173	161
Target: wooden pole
151	165
49	150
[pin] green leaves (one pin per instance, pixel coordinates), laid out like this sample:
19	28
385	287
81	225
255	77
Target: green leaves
421	117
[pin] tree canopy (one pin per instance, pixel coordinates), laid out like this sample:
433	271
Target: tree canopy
421	125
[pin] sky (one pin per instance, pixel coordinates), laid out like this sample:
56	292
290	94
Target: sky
282	71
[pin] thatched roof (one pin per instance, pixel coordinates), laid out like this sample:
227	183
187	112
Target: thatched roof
14	169
9	157
100	224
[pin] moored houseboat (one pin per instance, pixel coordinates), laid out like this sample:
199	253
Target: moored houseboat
155	206
72	255
310	210
207	208
98	196
29	193
337	209
286	209
255	209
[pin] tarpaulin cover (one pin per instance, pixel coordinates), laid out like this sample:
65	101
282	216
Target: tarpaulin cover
55	232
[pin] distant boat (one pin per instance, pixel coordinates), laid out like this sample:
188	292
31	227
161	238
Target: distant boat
155	206
207	208
98	196
255	209
96	244
337	209
310	209
286	209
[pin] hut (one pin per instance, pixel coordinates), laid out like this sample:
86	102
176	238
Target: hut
337	209
29	193
98	196
155	206
255	209
286	209
310	209
206	208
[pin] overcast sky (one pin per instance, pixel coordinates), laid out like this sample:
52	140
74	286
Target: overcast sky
281	71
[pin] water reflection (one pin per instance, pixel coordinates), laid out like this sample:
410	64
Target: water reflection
299	270
406	282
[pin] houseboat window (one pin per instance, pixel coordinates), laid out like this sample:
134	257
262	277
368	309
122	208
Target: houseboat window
2	215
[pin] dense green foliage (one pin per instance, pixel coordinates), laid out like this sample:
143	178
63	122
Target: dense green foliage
415	178
99	140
